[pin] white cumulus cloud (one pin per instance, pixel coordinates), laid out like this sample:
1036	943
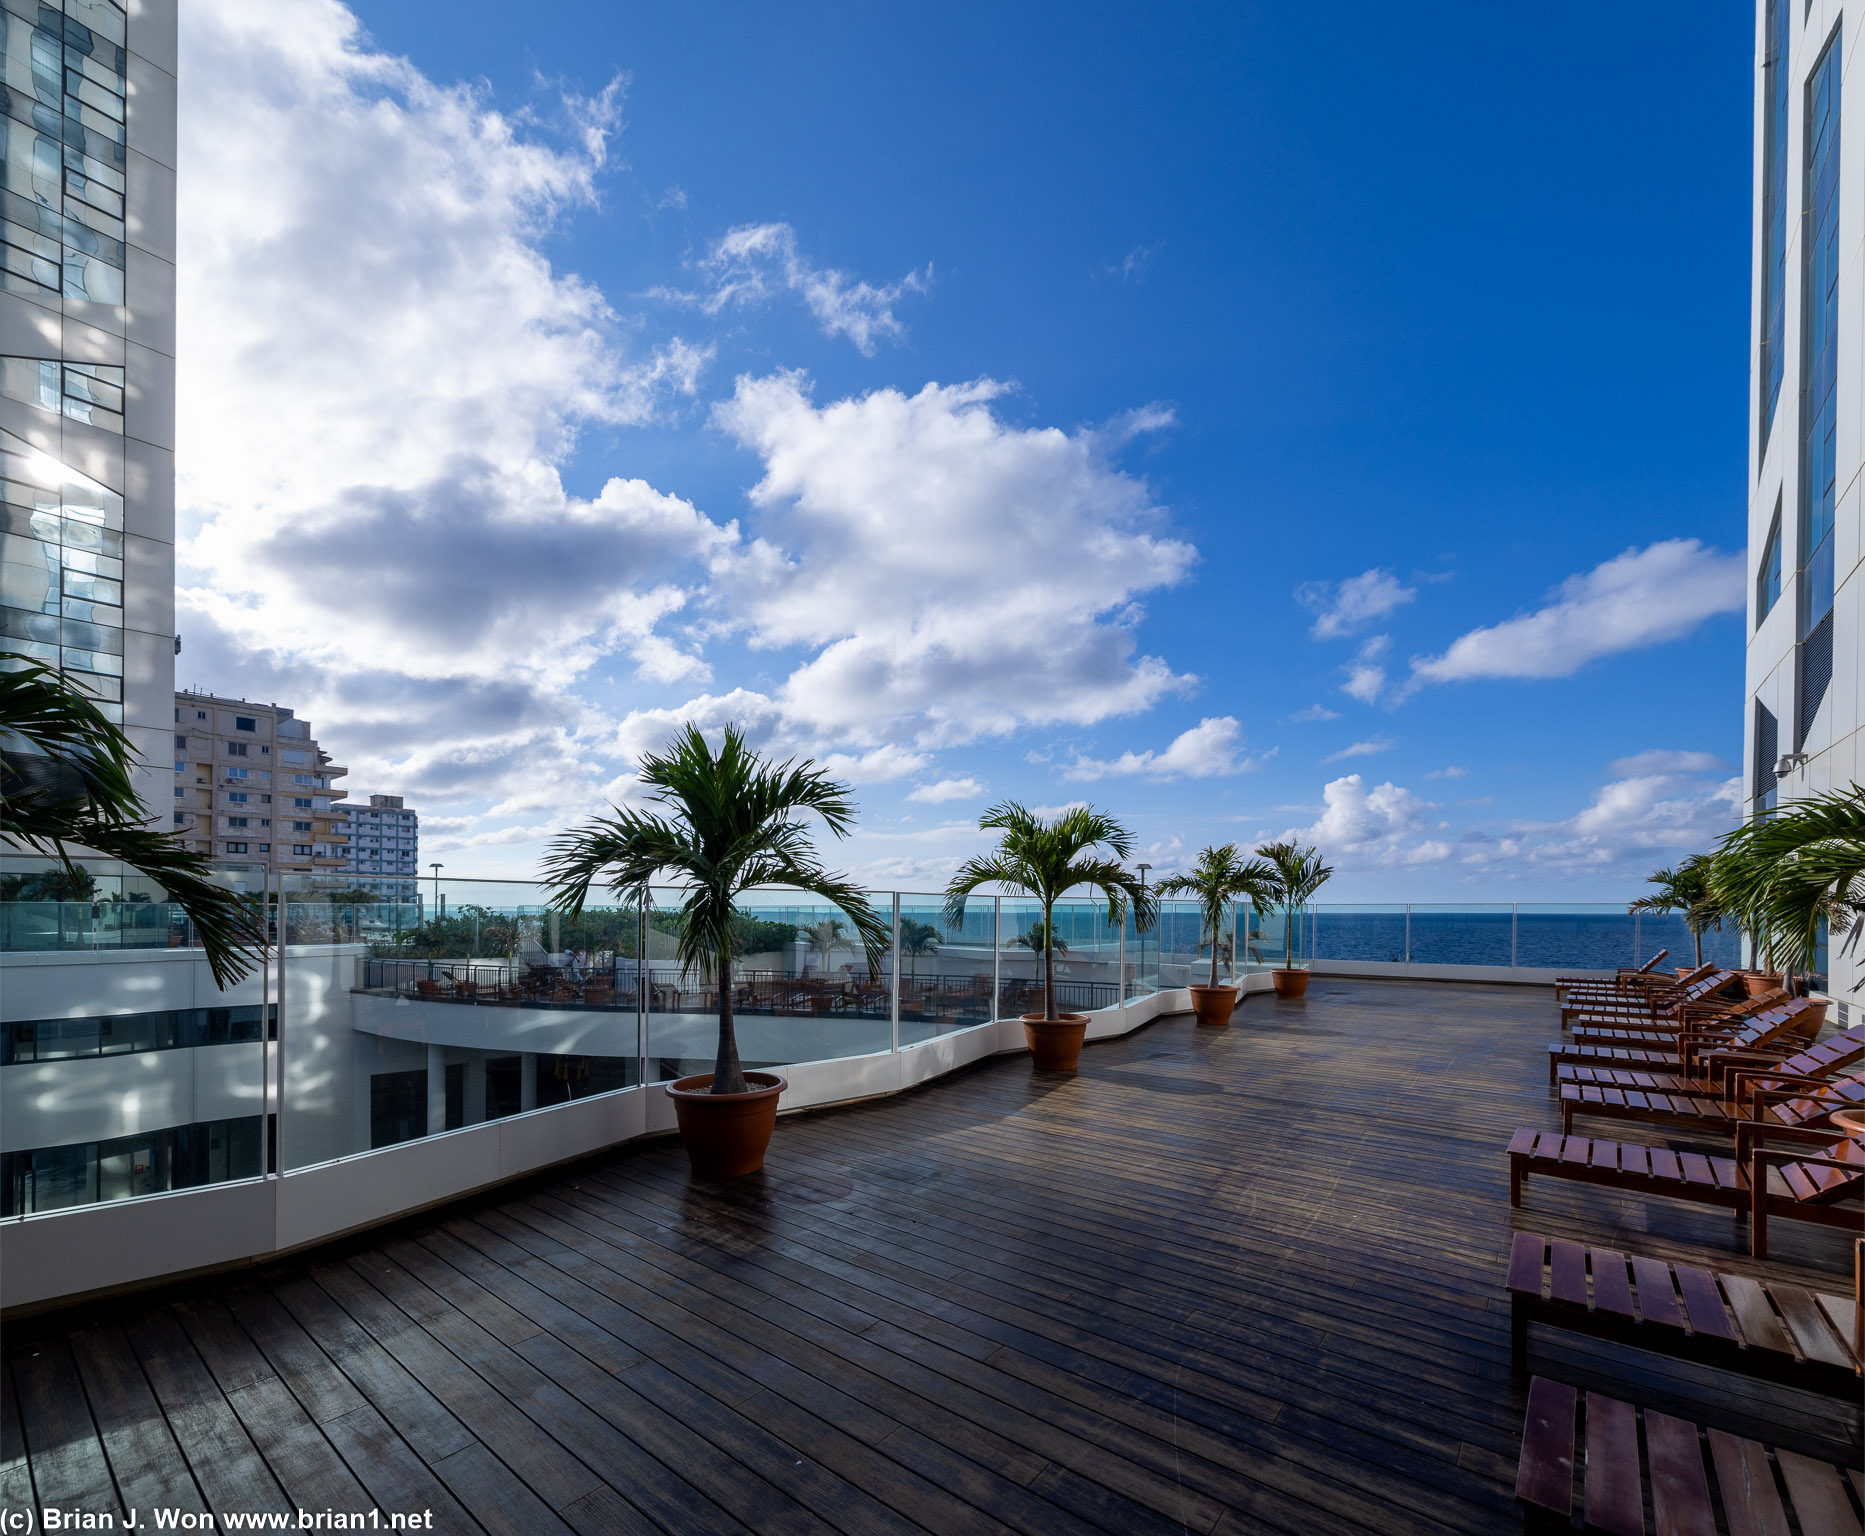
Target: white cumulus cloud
1362	825
1365	676
1344	606
1641	598
1208	749
753	262
947	573
946	790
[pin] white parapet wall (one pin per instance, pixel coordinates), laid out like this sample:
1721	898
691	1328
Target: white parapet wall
63	1256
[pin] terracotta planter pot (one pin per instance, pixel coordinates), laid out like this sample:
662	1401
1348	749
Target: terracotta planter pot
1055	1044
1212	1005
1290	983
1760	982
726	1134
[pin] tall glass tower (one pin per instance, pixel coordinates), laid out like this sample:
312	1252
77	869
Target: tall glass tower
1807	418
87	357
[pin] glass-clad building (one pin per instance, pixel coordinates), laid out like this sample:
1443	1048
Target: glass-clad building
1806	422
87	290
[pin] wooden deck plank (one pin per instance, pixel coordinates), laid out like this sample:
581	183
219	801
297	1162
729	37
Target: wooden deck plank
1194	1287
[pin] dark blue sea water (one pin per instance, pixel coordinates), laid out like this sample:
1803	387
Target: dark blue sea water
1528	938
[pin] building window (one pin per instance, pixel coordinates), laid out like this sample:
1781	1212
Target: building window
236	749
1768	576
301	826
238	796
180	819
265	847
236	821
245	723
200	714
180	793
236	773
1818	393
301	804
236	847
301	850
1773	211
181	741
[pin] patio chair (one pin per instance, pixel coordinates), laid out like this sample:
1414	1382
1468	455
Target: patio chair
1725	1015
1801	1090
1569	1432
1783	1027
1656	1003
1822	1185
1766	1329
1624	981
429	990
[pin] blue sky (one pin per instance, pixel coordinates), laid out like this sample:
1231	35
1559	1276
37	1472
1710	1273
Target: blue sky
1248	418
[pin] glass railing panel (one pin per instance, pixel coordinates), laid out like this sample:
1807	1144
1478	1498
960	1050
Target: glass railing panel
1184	955
1087	957
1275	940
1374	932
1462	935
1142	965
802	989
945	969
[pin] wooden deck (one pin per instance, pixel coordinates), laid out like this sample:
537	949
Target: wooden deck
1220	1281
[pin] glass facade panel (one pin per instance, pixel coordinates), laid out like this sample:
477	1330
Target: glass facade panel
1773	209
1819	343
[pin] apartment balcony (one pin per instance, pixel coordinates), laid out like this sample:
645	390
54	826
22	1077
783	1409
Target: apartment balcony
1218	1280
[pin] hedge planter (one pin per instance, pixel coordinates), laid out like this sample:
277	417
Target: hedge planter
1213	1005
726	1134
1055	1044
1290	983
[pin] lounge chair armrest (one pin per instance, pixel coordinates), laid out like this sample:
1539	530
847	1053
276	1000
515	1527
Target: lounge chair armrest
1762	1158
1759	1131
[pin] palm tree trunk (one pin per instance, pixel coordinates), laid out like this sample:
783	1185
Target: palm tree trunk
1214	943
1049	964
727	1075
1697	935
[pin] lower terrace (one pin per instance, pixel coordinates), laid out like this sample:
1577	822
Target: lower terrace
1217	1281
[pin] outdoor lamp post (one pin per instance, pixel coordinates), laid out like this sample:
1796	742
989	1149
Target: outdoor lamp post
437	868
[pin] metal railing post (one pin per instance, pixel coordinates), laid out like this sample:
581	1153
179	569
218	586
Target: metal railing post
997	953
641	982
1515	912
1638	940
1121	951
284	938
1408	933
894	986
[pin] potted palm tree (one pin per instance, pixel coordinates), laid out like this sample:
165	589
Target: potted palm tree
1296	873
1044	858
1792	870
1685	889
65	783
1216	882
735	822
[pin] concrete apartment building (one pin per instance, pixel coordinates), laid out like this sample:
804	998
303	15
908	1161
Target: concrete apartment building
384	847
253	788
1807	417
87	355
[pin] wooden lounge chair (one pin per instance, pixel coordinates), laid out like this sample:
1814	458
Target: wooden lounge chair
1568	1432
1821	1183
1624	976
1731	1322
1629	985
1790	1024
1725	1016
1802	1090
1656	1003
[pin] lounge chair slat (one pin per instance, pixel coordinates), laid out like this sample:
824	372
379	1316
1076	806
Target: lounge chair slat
1612	1292
1842	1313
1805	1321
1703	1303
1680	1493
1819	1495
1521	1142
1751	1502
1760	1327
1548	1146
1545	1477
1728	1173
1664	1164
1657	1297
1696	1168
1526	1254
1576	1149
1569	1272
1612	1496
1636	1160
